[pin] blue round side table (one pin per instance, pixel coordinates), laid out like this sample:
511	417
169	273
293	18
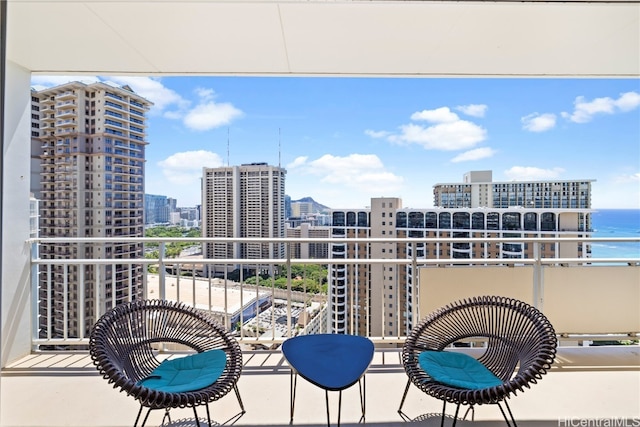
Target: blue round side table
332	362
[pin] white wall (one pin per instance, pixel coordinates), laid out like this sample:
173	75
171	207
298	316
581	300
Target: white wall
15	284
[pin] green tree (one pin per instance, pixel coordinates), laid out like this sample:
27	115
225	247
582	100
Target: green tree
173	249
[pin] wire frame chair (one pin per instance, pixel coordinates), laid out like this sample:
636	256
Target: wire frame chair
125	343
520	348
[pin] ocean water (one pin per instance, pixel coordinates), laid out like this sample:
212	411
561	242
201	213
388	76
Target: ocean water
616	223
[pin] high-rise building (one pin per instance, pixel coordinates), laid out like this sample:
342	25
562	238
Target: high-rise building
362	296
157	209
243	201
307	250
90	141
301	209
478	190
370	299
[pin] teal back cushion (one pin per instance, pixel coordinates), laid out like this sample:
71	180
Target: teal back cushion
188	373
457	370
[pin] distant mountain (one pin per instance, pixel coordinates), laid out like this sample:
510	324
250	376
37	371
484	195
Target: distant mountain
317	207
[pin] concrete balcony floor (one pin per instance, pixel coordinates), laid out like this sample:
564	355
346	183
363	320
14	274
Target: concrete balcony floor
586	385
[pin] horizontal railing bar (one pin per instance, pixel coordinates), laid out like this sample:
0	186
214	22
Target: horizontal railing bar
375	340
321	261
46	240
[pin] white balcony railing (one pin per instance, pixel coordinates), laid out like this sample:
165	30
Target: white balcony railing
70	293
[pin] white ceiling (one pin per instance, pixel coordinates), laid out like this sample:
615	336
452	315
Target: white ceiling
298	38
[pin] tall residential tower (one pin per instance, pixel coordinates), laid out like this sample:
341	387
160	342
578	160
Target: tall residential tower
243	201
88	148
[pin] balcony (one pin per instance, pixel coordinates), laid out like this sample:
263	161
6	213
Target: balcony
585	383
74	395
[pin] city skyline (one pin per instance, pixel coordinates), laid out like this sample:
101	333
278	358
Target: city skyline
346	140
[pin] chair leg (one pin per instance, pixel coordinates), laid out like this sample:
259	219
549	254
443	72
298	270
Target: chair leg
293	382
444	408
145	417
339	407
473	413
138	417
363	396
235	388
195	414
167	416
455	417
404	396
208	414
326	398
505	415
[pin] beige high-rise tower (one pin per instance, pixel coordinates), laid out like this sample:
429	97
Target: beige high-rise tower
88	154
243	201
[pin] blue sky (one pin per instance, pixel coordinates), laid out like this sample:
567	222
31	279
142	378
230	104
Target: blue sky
345	140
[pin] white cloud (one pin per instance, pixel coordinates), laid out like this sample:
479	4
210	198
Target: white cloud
528	173
210	115
205	94
624	179
584	111
445	131
628	101
376	134
439	115
185	168
536	122
476	154
474	110
620	190
297	162
457	135
360	172
153	90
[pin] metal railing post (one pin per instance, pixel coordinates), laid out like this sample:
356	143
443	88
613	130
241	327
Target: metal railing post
289	298
34	296
414	295
537	276
162	272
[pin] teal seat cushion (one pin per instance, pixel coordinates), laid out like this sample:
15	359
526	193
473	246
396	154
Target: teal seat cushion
188	373
457	370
